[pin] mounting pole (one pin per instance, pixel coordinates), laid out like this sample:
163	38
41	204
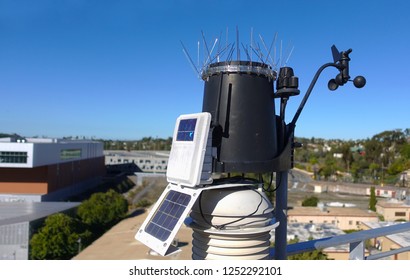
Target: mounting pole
281	215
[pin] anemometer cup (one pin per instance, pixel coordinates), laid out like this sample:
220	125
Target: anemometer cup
332	85
359	81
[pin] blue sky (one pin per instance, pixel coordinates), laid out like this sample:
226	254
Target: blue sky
116	70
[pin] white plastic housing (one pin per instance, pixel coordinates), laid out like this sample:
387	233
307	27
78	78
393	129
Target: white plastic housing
188	149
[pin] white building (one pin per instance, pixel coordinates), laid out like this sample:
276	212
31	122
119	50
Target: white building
147	161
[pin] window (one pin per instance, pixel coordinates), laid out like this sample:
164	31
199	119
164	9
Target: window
350	223
13	157
400	214
70	153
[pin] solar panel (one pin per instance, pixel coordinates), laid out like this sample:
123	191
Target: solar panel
166	217
186	130
168	214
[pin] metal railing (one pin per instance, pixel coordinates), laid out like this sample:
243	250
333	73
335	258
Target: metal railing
355	240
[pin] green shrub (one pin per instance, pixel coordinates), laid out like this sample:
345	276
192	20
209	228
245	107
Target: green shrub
310	201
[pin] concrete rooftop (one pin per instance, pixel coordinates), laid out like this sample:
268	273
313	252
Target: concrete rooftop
119	243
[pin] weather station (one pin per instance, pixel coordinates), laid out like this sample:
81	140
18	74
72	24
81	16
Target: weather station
216	155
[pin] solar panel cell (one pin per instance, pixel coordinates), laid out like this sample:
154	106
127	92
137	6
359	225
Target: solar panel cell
168	214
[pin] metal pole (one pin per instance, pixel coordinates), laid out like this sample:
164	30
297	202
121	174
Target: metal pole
79	245
281	215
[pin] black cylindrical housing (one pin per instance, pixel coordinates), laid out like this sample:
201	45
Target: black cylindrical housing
239	96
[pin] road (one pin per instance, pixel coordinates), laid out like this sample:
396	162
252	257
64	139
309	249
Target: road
301	186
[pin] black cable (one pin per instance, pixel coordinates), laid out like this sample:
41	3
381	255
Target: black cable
278	183
201	212
268	189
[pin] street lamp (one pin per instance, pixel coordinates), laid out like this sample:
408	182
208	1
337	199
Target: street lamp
79	245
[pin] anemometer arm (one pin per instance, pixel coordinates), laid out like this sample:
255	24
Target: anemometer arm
341	63
309	90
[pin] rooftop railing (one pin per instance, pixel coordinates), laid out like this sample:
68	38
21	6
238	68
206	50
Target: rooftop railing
355	240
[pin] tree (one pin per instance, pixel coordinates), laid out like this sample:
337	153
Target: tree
103	209
347	154
405	151
373	168
330	166
372	200
387	143
57	239
310	201
373	150
397	166
359	167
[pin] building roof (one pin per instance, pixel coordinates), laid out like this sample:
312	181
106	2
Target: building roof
402	239
393	203
356	185
35	152
330	211
307	231
19	212
140	154
43	140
